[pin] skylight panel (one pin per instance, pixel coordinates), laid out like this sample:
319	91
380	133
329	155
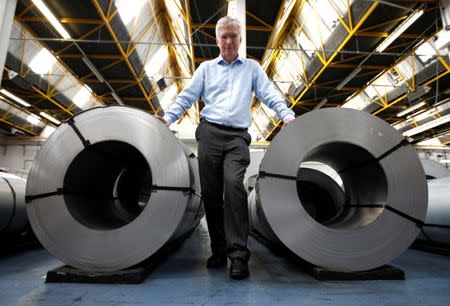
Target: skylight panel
153	67
129	9
82	97
42	62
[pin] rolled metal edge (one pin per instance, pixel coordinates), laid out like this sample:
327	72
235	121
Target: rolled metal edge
96	249
355	244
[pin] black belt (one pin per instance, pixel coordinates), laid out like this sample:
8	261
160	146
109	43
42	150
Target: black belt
224	127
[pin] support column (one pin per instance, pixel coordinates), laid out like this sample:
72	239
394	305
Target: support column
237	9
7	9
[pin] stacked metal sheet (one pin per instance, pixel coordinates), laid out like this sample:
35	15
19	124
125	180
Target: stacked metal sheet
111	187
384	183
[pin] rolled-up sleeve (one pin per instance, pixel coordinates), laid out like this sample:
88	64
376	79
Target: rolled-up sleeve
187	96
265	91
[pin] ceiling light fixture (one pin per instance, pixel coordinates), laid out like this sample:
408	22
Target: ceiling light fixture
348	78
426	126
399	30
51	18
52	119
15	98
411	109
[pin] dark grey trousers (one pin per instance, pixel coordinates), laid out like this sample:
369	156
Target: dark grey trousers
223	157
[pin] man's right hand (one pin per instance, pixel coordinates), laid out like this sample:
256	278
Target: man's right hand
162	120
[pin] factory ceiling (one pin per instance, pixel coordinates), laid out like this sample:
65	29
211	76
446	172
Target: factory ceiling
388	58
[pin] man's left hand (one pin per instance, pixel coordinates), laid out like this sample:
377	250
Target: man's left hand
288	119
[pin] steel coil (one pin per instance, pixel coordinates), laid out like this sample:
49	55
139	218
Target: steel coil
438	212
111	187
13	215
434	170
384	183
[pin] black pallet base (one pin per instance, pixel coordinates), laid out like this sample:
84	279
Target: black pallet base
386	272
431	247
133	275
66	274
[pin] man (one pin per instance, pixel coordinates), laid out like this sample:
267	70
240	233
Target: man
226	85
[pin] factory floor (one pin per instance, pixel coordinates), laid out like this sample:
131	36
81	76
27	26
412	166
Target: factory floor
183	279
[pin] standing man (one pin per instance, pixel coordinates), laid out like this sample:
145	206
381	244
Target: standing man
226	84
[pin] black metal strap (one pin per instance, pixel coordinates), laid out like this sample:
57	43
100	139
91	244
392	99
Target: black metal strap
30	198
185	190
263	174
71	122
402	143
418	222
14	199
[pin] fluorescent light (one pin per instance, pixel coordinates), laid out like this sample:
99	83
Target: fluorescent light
15	98
82	97
445	161
322	103
33	119
399	30
411	109
51	18
52	119
93	69
348	78
117	98
427	126
42	62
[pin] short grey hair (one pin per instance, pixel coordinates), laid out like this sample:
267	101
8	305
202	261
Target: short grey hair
226	21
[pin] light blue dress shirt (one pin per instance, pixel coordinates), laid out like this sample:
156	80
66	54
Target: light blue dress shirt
226	90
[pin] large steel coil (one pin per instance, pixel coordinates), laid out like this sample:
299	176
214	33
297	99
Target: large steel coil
111	187
13	215
433	169
384	183
437	221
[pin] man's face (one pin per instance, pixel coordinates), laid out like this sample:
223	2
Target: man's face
229	41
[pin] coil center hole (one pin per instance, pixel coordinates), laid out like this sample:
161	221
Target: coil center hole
346	178
107	185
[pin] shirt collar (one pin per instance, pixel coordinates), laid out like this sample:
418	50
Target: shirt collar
220	59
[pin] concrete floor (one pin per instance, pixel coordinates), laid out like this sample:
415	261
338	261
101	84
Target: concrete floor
183	279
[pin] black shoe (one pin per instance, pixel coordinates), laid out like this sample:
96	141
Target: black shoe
216	261
239	269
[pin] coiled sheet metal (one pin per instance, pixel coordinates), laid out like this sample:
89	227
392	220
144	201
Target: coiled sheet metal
438	212
111	187
434	170
13	215
382	177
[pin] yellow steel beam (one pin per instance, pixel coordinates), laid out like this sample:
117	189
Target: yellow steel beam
335	53
263	28
352	66
62	20
386	34
18	127
93	56
268	26
122	52
404	96
339	48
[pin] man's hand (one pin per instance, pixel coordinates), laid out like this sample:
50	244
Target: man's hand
162	120
288	119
